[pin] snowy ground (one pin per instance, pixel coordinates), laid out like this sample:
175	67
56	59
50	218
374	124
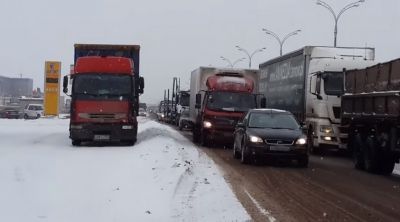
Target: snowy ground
162	178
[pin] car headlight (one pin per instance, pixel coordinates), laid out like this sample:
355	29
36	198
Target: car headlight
255	139
162	115
207	124
326	129
301	141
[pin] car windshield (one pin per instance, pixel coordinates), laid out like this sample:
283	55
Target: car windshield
233	102
333	83
104	86
273	120
36	108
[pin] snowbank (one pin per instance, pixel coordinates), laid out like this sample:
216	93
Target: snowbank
162	178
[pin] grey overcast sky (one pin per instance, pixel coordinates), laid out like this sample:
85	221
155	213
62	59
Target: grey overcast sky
177	36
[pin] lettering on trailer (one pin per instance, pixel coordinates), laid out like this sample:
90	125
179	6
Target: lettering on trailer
51	87
283	84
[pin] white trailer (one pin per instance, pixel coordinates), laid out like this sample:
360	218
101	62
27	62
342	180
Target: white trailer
309	83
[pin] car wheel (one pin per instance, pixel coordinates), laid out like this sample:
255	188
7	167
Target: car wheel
303	161
236	153
76	142
26	116
37	116
180	126
244	159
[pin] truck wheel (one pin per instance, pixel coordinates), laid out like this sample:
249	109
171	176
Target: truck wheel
310	145
204	139
26	116
371	155
358	156
236	153
195	135
303	161
386	165
76	142
244	159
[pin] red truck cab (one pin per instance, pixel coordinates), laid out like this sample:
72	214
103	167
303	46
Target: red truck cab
228	96
104	100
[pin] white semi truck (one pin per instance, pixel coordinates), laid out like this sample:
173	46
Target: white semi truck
309	83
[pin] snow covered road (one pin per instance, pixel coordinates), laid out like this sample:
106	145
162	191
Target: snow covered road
162	178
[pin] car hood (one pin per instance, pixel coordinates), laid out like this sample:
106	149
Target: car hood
267	133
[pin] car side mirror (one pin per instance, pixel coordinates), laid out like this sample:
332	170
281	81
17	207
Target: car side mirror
65	84
198	101
240	125
263	102
141	85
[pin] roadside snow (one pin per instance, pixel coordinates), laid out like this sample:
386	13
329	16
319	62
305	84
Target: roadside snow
162	178
397	169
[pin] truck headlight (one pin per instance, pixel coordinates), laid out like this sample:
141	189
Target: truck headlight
255	139
326	129
162	116
207	124
301	141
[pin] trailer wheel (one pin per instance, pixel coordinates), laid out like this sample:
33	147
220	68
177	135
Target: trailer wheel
358	156
386	165
371	157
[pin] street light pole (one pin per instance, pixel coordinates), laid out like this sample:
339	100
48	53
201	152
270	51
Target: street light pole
337	16
281	42
250	55
231	64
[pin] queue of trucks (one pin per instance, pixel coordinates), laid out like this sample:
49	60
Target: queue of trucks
343	99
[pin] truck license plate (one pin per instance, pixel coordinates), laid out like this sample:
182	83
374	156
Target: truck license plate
101	137
279	148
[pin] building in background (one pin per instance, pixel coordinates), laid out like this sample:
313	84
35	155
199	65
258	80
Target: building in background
15	87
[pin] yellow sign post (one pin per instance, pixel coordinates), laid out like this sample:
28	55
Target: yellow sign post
52	75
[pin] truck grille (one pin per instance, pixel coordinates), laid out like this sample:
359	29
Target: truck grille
336	112
102	116
224	121
278	142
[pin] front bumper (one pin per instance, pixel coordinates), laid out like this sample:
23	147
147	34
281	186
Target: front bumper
103	132
284	151
221	135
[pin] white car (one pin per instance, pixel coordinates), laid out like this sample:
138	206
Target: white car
33	111
142	112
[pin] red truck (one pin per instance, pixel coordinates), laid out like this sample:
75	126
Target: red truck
218	99
105	93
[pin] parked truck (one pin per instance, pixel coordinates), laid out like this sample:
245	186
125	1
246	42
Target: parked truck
309	83
371	111
218	99
105	93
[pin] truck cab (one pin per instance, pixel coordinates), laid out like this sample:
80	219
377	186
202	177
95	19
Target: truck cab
226	97
104	94
325	90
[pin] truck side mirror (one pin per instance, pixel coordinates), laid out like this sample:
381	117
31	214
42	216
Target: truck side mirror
198	101
65	84
263	102
141	85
